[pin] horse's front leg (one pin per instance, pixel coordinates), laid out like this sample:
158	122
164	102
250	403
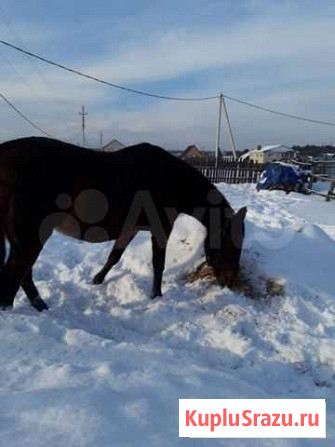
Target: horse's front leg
32	292
159	245
120	245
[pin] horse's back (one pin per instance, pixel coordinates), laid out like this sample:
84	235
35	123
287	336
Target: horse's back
45	165
47	153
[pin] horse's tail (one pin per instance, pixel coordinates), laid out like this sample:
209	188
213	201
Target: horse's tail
4	205
2	250
5	198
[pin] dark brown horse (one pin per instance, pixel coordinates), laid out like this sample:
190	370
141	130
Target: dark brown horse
94	196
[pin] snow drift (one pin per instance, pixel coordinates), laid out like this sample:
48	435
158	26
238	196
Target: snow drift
105	366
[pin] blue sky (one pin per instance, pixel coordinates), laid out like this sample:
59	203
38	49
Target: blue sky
279	54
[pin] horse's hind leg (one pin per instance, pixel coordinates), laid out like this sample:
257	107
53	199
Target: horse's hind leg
32	292
120	245
22	257
27	284
26	242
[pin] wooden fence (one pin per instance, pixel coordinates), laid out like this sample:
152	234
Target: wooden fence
320	171
330	194
228	171
324	168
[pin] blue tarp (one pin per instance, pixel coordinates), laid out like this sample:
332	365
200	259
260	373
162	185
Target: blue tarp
281	176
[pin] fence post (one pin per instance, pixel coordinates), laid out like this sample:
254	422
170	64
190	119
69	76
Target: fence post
331	191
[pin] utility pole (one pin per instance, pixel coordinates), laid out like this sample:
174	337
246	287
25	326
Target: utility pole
230	132
217	148
83	114
101	139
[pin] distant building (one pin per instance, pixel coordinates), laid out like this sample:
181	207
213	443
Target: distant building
113	146
265	154
192	152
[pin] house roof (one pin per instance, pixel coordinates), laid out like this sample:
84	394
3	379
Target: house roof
113	145
273	148
192	147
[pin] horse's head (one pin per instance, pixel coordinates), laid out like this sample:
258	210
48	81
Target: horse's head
223	246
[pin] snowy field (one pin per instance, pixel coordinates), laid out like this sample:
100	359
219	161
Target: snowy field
105	366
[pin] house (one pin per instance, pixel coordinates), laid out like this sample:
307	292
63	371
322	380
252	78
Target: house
265	154
193	152
113	146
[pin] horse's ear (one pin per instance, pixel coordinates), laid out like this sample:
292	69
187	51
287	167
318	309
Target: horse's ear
241	213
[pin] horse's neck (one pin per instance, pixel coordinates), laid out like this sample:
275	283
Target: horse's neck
208	201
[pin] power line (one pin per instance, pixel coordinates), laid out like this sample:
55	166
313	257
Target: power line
139	92
101	81
143	93
22	115
287	115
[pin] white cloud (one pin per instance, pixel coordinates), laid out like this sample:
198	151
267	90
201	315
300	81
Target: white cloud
180	52
278	61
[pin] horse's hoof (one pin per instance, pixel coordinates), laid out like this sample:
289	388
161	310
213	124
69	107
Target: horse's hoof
97	280
39	304
155	295
6	306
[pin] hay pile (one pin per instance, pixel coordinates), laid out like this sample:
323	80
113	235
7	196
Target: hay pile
258	288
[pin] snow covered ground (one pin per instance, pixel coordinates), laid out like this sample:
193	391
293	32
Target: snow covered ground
105	366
